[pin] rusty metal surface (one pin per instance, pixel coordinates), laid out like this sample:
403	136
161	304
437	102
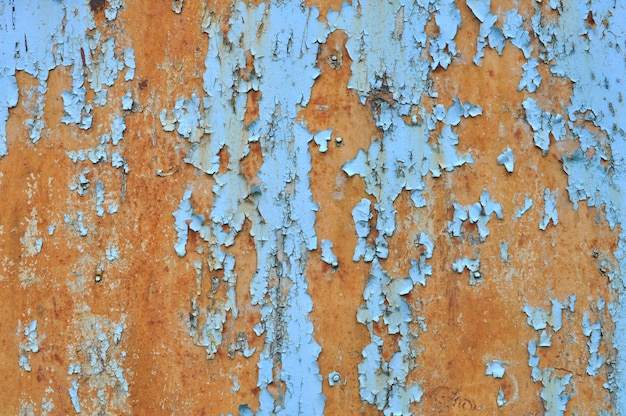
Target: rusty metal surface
127	321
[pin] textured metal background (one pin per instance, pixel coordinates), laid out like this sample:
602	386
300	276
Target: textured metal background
149	289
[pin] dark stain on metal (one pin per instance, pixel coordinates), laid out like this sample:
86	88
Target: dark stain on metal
96	5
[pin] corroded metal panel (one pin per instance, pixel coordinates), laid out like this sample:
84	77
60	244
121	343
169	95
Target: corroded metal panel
318	208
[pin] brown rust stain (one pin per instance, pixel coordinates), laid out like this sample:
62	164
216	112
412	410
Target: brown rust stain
467	325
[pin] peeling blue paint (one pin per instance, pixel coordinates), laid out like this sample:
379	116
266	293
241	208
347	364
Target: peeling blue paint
419	269
501	400
513	30
495	369
594	332
478	213
528	203
283	232
554	392
384	384
328	256
362	215
39	37
488	32
99	365
114	8
550	212
443	47
127	101
118	161
32	344
531	79
112	253
77	223
507	159
73	392
504	252
99	198
539	318
185	218
543	124
589	180
322	138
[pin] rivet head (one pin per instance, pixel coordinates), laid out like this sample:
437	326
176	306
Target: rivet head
98	274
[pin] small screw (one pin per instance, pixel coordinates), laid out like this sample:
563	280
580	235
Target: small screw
334	378
98	275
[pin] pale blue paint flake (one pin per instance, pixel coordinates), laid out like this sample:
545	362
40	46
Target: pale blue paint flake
112	253
118	127
501	400
105	69
328	256
543	124
419	269
31	345
99	198
589	180
73	392
82	230
528	203
38	244
74	368
127	101
513	30
504	252
118	161
545	339
594	332
185	218
553	393
114	7
495	369
531	79
129	62
550	212
507	159
479	212
480	8
539	318
443	47
322	138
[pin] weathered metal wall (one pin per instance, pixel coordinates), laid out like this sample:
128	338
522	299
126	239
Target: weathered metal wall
321	208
